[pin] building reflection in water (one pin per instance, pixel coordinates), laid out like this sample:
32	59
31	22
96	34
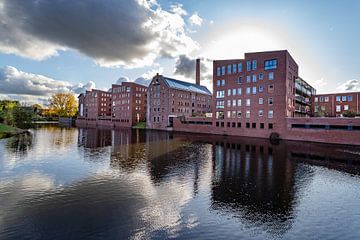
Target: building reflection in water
251	179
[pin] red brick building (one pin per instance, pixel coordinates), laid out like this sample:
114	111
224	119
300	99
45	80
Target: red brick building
94	104
170	98
128	104
254	95
335	104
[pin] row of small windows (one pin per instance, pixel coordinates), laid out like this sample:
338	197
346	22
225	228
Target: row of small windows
238	114
338	99
338	108
250	65
238	91
249	78
238	102
248	125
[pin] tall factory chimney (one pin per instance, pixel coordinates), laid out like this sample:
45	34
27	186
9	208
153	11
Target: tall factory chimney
198	71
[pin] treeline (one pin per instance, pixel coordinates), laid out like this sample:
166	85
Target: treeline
12	113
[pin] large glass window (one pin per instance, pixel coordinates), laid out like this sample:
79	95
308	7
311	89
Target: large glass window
270	64
248	66
240	67
220	103
254	64
220	94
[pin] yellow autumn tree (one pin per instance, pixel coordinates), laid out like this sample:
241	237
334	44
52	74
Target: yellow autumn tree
63	105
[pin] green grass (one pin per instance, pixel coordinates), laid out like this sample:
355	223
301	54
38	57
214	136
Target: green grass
141	125
8	131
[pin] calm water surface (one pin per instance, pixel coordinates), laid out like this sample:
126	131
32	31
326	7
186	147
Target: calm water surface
69	183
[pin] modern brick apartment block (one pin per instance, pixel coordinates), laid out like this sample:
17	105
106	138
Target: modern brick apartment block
94	104
303	94
128	104
253	96
335	104
170	98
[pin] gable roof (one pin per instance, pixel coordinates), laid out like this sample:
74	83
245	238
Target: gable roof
186	86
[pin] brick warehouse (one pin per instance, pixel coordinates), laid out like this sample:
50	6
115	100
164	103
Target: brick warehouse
335	104
170	98
122	106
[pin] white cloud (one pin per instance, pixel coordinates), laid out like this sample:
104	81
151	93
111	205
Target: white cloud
130	33
30	87
195	19
319	83
178	9
350	86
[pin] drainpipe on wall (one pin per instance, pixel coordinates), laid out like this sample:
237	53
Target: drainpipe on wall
197	77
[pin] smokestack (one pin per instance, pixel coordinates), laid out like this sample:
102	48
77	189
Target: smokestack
198	71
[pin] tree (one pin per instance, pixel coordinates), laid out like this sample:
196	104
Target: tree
63	105
23	117
349	113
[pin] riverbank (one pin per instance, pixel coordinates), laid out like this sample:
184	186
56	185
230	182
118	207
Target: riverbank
9	131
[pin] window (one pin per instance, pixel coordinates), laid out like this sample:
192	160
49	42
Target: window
248	66
229	69
248	90
271	75
248	102
338	98
254	78
343	98
254	64
248	79
218	82
316	99
261	101
220	103
261	76
228	114
219	115
240	80
270	88
229	92
316	109
262	125
233	114
247	125
338	108
234	102
270	64
220	94
350	98
261	88
247	113
240	67
229	103
261	113
223	70
239	114
271	114
233	124
346	107
234	92
239	125
326	99
271	126
223	82
239	91
239	102
321	99
234	68
254	90
270	101
218	71
253	125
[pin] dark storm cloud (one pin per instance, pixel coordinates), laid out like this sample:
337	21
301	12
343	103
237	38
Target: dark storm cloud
185	66
113	32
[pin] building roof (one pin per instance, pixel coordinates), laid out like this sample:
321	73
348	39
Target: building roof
186	86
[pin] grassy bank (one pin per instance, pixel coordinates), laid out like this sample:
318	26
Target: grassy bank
8	131
141	125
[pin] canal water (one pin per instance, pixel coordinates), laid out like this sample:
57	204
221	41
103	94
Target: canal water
77	183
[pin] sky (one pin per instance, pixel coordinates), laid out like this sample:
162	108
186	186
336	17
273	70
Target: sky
72	46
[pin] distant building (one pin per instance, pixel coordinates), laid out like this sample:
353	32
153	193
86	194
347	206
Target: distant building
170	98
303	96
95	104
335	104
128	104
